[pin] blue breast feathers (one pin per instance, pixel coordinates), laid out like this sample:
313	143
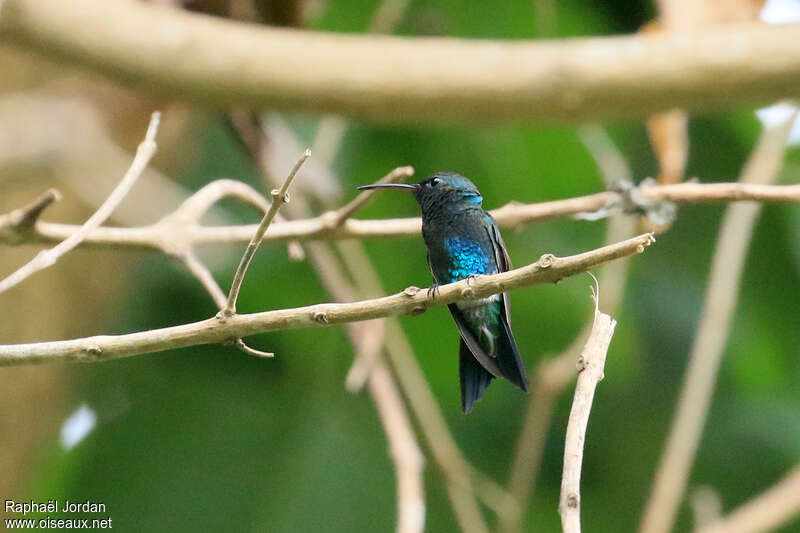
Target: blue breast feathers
467	257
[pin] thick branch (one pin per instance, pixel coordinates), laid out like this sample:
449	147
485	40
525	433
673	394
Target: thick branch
411	301
511	215
418	80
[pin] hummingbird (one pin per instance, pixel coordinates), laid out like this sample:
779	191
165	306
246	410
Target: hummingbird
463	241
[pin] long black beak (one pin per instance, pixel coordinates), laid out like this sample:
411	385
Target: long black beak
389	186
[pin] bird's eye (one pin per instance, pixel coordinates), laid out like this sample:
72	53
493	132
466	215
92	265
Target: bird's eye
435	182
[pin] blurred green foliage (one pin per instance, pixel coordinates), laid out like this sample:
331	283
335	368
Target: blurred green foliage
206	439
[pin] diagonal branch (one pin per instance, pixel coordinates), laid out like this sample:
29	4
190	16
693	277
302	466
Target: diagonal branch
412	301
777	505
279	197
716	319
48	258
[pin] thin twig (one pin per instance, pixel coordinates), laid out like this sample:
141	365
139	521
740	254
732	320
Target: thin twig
766	512
712	336
512	215
15	224
590	372
279	197
412	301
47	258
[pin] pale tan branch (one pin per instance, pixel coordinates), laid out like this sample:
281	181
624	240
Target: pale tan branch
590	371
46	258
404	450
279	197
411	301
512	215
776	506
15	224
555	374
712	336
412	80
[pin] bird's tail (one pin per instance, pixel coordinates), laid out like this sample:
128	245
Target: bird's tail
508	360
474	378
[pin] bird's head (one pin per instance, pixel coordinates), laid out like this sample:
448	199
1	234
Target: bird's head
445	191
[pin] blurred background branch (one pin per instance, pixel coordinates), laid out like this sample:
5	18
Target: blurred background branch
445	81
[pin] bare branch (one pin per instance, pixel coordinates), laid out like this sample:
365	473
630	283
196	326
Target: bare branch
590	371
766	512
512	215
712	336
47	258
555	374
411	301
19	221
279	197
430	80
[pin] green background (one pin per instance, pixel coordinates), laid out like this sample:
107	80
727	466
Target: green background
207	439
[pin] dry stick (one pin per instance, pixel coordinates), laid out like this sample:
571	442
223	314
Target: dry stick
15	224
771	509
47	258
712	335
554	375
432	80
590	372
512	215
279	197
412	300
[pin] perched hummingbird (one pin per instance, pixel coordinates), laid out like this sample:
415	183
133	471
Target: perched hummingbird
464	241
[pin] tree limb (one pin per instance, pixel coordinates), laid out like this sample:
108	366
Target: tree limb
411	301
412	80
324	227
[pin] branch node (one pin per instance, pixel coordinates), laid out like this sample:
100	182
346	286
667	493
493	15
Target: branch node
223	315
320	317
573	500
93	352
241	345
546	261
411	291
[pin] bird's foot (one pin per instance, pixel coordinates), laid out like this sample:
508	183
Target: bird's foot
433	291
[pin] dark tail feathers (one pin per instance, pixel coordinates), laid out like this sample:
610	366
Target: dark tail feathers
474	378
508	360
